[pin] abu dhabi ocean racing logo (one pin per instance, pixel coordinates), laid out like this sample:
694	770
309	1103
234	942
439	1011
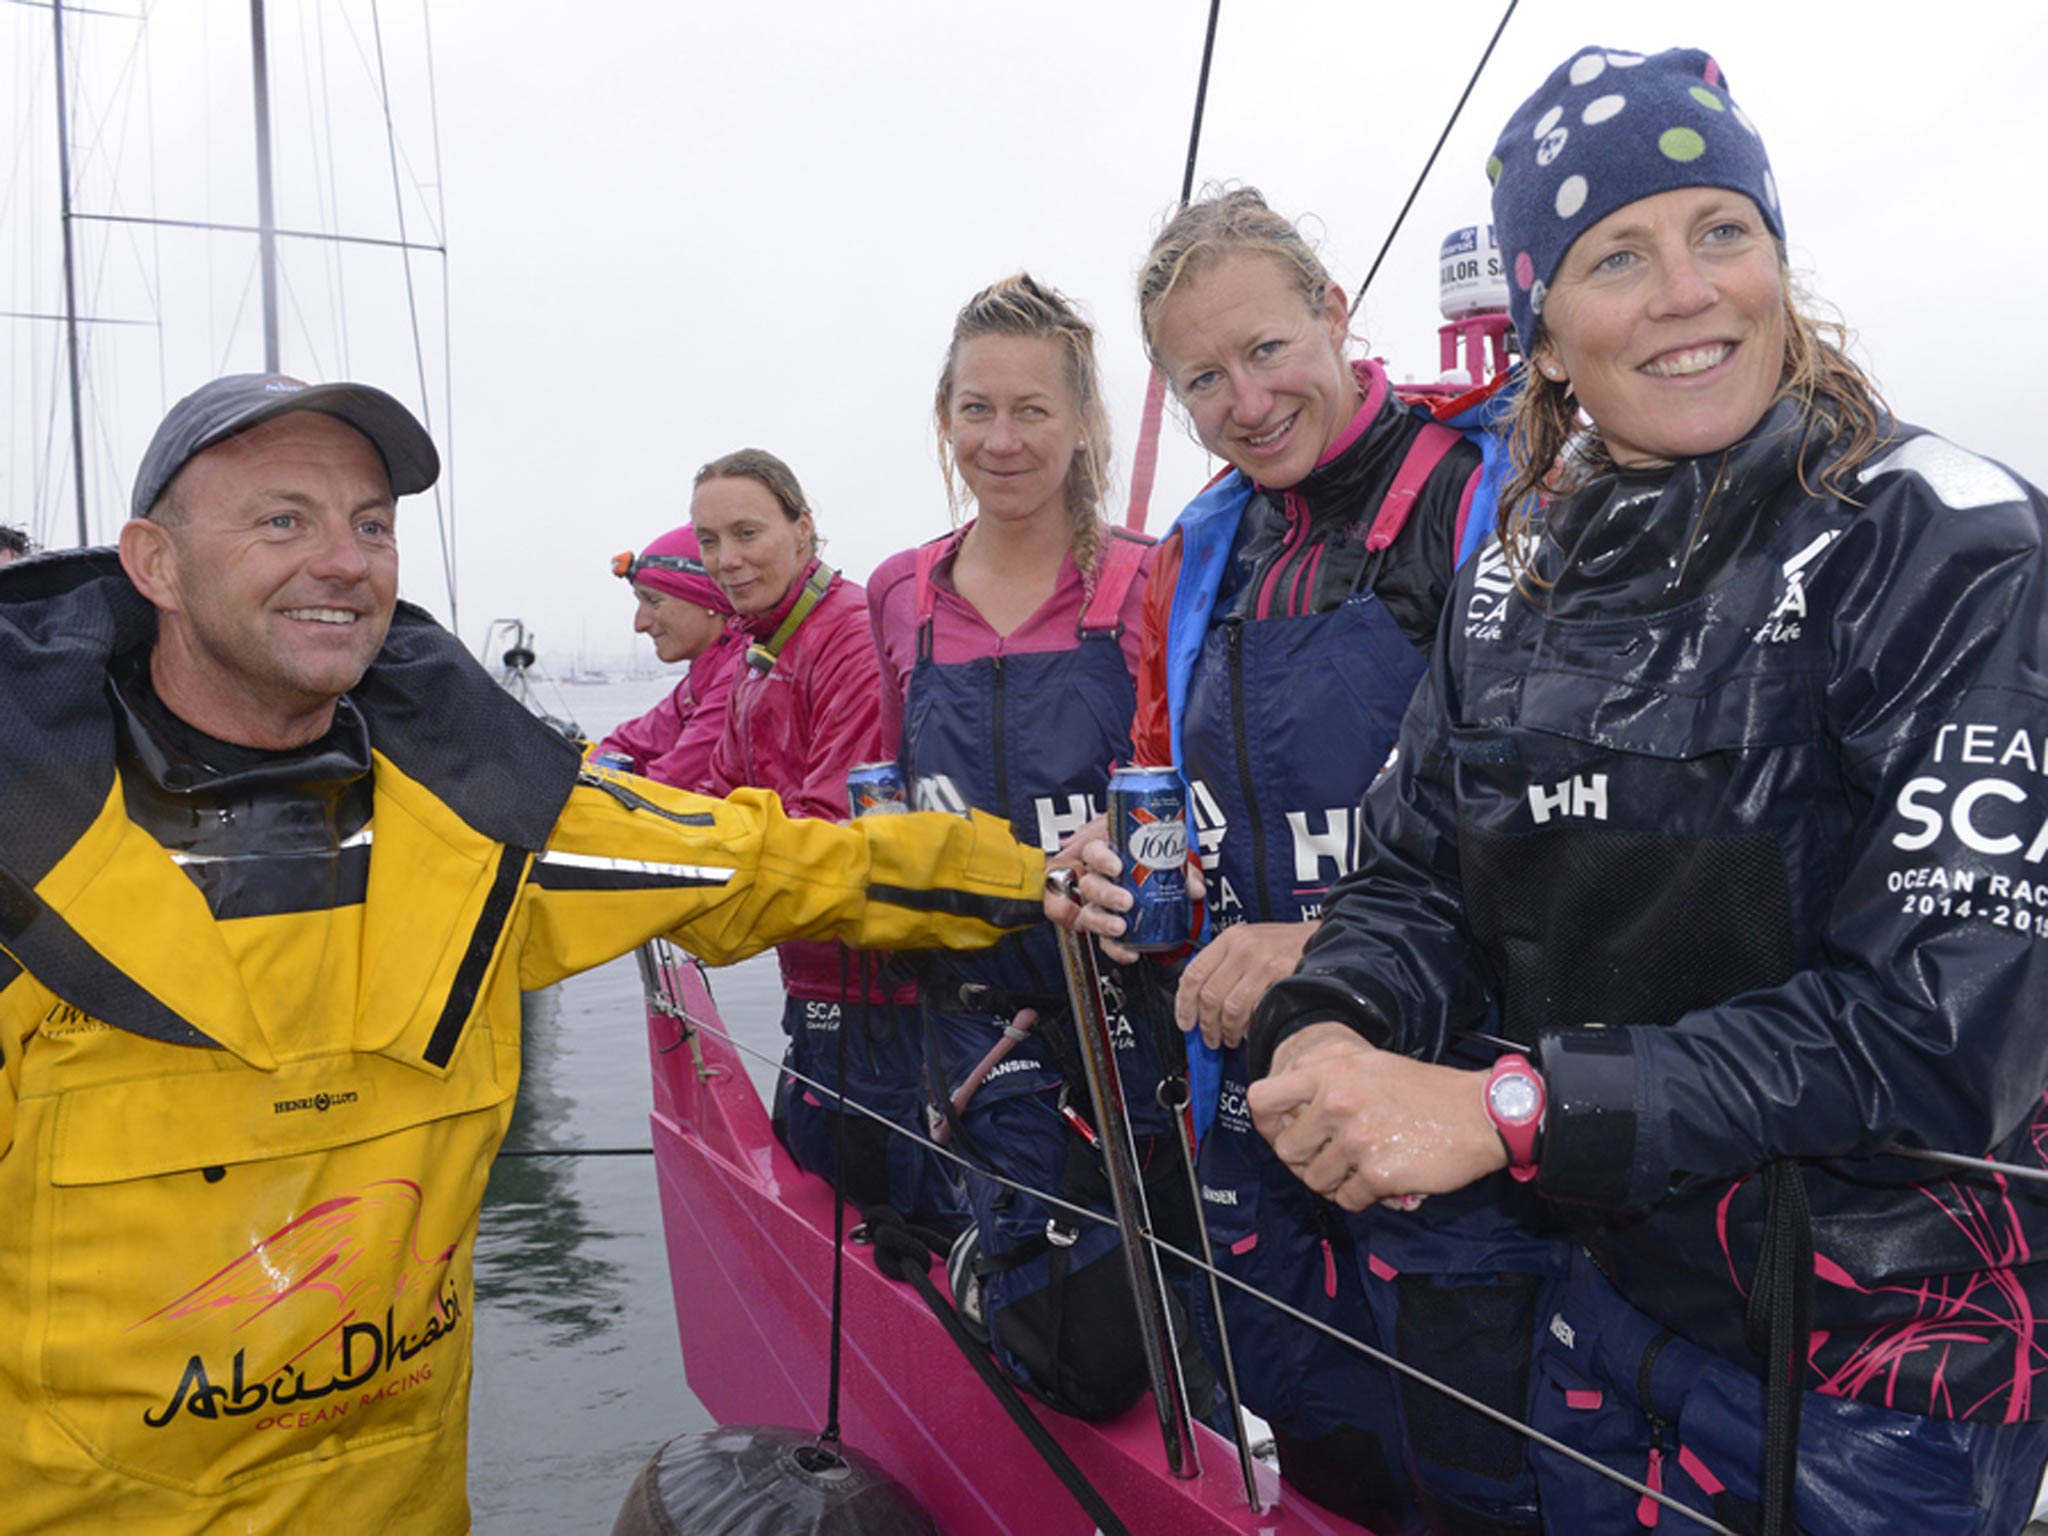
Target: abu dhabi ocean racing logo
321	1318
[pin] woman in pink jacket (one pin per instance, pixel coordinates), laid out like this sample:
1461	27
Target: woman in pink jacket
689	618
804	710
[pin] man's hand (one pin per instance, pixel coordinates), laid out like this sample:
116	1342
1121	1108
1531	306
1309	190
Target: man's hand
1359	1125
1223	984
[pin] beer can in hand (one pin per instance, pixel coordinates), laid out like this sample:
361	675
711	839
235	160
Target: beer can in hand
876	789
1148	827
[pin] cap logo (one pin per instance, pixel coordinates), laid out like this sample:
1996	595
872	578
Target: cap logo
282	386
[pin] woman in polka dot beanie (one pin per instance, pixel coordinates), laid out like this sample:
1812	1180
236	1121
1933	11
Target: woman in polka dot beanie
1729	782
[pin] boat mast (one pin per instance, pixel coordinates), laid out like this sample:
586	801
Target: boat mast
70	276
266	212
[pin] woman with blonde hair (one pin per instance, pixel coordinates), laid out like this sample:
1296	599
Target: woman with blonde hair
1007	652
1288	621
1725	785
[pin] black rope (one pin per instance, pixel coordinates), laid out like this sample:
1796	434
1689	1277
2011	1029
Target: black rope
575	1151
1187	180
828	1437
1430	163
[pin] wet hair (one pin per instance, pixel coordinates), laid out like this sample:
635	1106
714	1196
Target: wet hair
1020	305
15	541
1223	222
772	475
1552	452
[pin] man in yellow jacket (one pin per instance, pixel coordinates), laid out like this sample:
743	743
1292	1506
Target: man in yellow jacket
276	861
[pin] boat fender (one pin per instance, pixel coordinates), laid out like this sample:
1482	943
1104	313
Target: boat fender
762	1480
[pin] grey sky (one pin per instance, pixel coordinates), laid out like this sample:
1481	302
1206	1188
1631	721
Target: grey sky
677	229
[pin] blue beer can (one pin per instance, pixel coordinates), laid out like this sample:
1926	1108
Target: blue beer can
618	762
1148	827
876	789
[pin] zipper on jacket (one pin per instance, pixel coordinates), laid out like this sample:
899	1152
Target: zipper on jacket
1653	1475
1235	649
1297	524
1002	805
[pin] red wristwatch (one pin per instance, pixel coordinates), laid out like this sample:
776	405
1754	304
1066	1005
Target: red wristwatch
1515	1101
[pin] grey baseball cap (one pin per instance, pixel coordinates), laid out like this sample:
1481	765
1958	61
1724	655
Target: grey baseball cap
217	411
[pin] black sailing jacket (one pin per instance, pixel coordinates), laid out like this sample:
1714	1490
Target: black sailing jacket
1745	825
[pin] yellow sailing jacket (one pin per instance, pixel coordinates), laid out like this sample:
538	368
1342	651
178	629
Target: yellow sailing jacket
242	1160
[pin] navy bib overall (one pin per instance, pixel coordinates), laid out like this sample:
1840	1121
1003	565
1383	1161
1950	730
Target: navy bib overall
1032	736
1288	721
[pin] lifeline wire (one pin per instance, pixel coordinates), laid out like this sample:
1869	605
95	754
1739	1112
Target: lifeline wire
1430	163
1380	1357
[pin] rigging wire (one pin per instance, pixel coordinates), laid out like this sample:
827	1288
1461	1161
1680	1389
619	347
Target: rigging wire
326	202
1430	163
121	93
156	236
454	525
1145	457
1507	1421
412	303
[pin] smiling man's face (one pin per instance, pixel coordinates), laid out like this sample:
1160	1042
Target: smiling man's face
273	563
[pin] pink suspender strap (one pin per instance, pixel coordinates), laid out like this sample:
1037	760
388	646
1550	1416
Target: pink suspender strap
1123	556
928	557
1424	454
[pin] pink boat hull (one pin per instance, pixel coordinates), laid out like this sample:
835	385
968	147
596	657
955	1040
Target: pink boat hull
750	1256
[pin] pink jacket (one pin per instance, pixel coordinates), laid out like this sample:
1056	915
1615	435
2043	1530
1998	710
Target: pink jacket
672	742
798	728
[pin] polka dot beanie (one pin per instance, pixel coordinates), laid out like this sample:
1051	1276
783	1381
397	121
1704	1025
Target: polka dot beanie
673	564
1605	129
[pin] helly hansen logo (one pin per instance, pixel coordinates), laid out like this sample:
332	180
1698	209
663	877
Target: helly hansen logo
1562	1331
1336	842
1584	797
1056	825
937	792
1210	825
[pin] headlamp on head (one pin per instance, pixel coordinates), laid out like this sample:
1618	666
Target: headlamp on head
629	565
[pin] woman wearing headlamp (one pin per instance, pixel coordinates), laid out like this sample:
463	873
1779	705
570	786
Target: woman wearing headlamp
687	615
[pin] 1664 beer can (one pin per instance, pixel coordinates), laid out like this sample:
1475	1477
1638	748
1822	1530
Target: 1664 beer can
1148	827
618	762
876	789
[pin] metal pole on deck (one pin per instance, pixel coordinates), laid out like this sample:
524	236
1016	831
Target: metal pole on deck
70	277
1127	1191
266	211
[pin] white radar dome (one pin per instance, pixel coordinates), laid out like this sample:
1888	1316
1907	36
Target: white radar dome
1471	280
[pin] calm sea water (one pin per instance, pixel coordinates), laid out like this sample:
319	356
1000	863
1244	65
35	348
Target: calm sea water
579	1375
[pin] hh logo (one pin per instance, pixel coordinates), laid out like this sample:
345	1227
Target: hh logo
1336	842
1056	825
1210	825
936	792
1583	797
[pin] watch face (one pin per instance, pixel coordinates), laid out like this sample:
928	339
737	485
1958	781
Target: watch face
1514	1097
